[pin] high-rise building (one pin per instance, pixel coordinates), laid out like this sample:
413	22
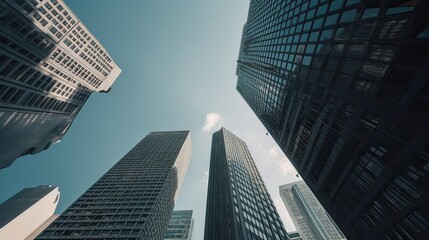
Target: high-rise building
342	87
238	203
135	198
27	212
49	65
308	215
180	226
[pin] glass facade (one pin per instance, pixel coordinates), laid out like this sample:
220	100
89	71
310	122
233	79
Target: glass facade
49	66
180	226
342	86
135	198
308	215
239	206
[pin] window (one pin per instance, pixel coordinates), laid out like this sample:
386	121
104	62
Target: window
48	6
370	12
53	29
9	68
348	16
331	19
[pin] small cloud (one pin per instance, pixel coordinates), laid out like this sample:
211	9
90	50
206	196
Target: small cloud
273	152
283	164
212	120
204	180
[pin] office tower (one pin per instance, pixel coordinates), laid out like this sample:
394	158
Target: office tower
308	215
238	203
342	87
49	65
294	236
135	198
27	212
180	226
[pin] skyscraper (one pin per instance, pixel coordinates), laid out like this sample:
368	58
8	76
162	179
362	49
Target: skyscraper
342	87
135	198
238	203
180	226
49	65
27	211
308	215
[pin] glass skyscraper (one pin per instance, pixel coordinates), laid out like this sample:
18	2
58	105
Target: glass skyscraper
180	226
307	214
239	206
50	63
135	198
342	86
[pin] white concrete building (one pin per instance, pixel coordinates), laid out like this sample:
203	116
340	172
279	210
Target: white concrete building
28	212
50	63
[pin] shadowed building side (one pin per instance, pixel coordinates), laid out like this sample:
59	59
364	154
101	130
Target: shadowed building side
238	203
342	87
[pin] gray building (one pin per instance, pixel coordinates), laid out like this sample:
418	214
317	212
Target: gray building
308	215
135	198
50	63
28	212
238	203
180	226
342	87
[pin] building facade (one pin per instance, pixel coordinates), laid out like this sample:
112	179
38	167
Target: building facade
294	235
342	87
27	212
135	198
239	206
180	226
307	214
50	63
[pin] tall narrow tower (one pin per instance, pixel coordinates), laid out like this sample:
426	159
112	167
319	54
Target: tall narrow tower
238	203
50	63
135	198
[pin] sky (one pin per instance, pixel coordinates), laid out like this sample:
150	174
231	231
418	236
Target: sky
178	60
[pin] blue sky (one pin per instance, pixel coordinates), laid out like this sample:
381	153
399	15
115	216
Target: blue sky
178	60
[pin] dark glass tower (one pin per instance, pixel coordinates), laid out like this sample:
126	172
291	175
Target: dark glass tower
135	198
239	206
342	86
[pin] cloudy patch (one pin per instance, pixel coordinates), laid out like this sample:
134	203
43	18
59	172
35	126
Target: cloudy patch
204	180
213	120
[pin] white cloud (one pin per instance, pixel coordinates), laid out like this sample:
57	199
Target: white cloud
283	164
204	180
284	215
212	120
